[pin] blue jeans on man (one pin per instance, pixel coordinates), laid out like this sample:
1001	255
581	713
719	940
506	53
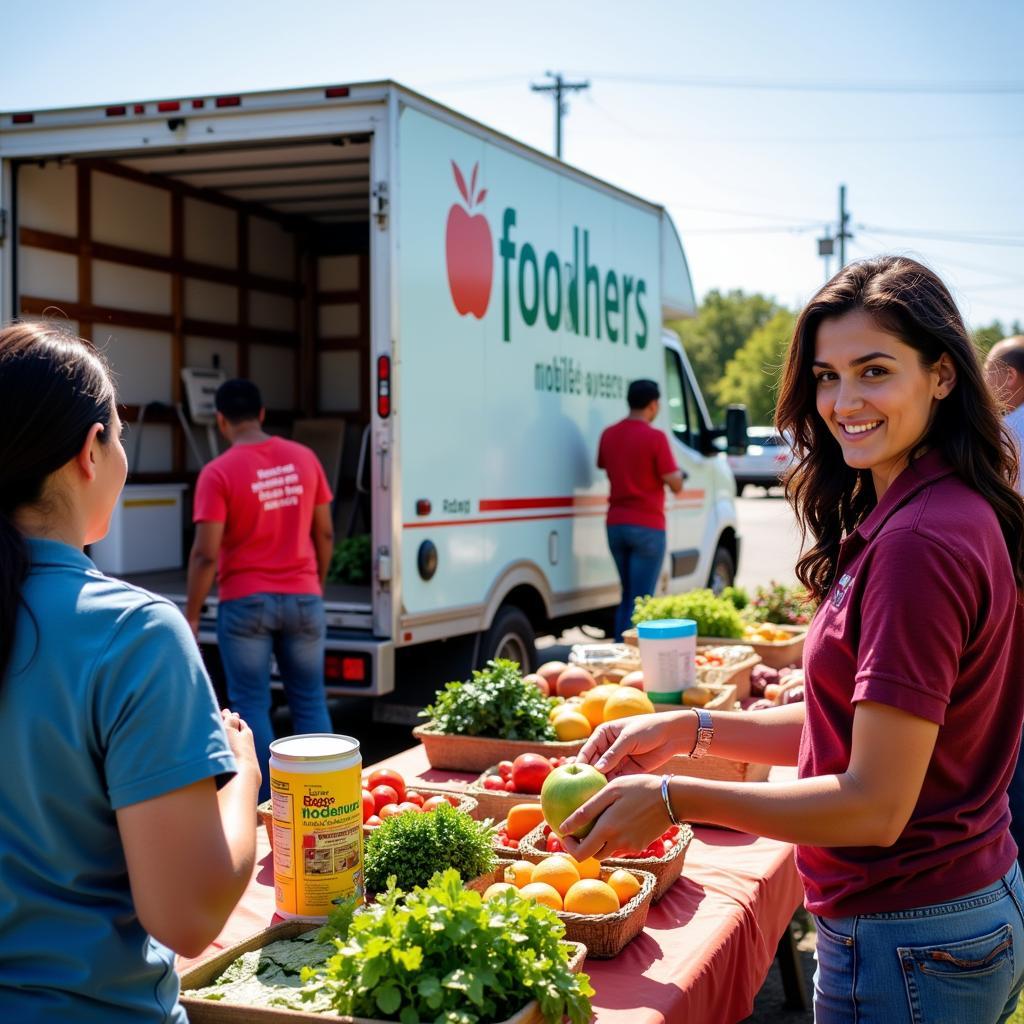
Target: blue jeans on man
292	627
638	552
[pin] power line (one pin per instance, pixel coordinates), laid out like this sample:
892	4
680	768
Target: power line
796	85
991	238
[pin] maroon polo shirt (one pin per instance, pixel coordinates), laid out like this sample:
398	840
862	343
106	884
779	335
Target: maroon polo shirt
925	617
636	457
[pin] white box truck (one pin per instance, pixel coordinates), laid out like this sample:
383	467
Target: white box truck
470	310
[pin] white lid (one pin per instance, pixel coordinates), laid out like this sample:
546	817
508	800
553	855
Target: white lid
313	746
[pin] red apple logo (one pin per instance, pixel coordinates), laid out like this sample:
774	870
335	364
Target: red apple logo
469	250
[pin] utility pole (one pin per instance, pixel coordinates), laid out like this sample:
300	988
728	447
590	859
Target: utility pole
826	249
559	87
843	233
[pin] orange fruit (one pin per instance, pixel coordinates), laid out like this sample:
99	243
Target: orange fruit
627	702
496	889
592	705
625	884
591	896
523	818
571	725
589	868
541	892
519	873
559	872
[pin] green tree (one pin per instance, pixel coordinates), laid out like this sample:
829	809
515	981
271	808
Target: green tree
985	337
752	375
722	325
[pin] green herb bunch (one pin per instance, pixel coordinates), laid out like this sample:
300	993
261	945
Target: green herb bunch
351	561
715	616
442	954
737	595
782	604
495	702
411	847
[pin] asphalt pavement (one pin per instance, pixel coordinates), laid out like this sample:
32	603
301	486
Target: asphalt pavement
770	539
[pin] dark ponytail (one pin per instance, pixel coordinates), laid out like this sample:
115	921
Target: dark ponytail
53	388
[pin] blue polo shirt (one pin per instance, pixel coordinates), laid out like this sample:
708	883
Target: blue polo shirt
105	704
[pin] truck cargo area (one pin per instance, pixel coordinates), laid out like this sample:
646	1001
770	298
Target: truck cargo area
251	259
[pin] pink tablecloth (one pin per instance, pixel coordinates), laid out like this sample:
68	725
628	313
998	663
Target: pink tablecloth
703	955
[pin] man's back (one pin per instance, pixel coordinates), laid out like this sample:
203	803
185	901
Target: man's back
265	494
636	457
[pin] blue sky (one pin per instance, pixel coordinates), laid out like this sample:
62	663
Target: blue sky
742	118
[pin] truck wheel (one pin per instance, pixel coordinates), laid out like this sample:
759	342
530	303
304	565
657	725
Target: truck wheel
723	570
511	636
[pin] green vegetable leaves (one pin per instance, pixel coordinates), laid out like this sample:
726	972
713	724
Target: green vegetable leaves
442	954
412	847
495	702
715	616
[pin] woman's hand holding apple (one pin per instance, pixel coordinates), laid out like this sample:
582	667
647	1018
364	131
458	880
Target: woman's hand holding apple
641	743
628	814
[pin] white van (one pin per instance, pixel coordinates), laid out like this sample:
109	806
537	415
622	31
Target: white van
462	312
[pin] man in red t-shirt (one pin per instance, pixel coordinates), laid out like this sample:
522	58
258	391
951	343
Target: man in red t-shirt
640	465
263	527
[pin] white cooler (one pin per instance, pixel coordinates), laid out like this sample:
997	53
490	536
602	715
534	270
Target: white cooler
145	531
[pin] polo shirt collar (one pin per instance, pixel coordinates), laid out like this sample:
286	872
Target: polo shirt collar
915	478
42	551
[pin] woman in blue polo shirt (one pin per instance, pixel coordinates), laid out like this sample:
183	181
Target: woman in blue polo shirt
907	738
126	798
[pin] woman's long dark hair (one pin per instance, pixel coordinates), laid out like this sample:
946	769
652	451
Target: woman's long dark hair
830	498
53	388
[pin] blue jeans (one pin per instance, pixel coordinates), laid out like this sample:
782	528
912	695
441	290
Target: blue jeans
959	962
292	626
638	552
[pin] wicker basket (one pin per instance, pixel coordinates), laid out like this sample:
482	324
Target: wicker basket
778	654
478	753
606	935
666	870
208	1011
492	803
466	803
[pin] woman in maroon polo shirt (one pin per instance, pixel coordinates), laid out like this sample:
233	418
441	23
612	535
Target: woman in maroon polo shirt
904	487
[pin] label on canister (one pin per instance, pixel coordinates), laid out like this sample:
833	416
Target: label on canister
316	793
667	653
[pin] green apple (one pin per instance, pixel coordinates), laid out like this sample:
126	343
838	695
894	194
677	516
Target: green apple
567	788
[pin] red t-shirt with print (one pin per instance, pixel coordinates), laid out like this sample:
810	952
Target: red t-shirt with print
925	617
636	457
265	495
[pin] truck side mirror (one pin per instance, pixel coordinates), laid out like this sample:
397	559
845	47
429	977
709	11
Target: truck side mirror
736	429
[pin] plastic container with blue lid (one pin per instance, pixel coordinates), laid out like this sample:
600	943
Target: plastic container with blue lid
668	651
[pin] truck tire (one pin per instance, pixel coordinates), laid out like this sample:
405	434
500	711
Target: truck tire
511	636
723	570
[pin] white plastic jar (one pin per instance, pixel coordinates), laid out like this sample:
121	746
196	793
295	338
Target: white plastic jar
668	652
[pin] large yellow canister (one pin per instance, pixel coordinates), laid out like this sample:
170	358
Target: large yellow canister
316	792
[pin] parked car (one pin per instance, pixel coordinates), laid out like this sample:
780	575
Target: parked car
767	458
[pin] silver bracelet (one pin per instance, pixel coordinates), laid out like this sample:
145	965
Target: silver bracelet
668	803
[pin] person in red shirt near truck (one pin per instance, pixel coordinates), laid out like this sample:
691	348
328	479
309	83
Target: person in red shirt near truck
263	527
908	735
640	465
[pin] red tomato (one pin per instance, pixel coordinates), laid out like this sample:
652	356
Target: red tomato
388	777
547	830
656	849
505	769
512	844
372	821
369	804
383	795
408	805
529	772
413	797
453	800
389	811
494	782
433	802
554	844
510	786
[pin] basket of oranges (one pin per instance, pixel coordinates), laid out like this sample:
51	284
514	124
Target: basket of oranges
663	858
603	907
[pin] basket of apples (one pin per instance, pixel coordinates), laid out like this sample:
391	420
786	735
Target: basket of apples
511	782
